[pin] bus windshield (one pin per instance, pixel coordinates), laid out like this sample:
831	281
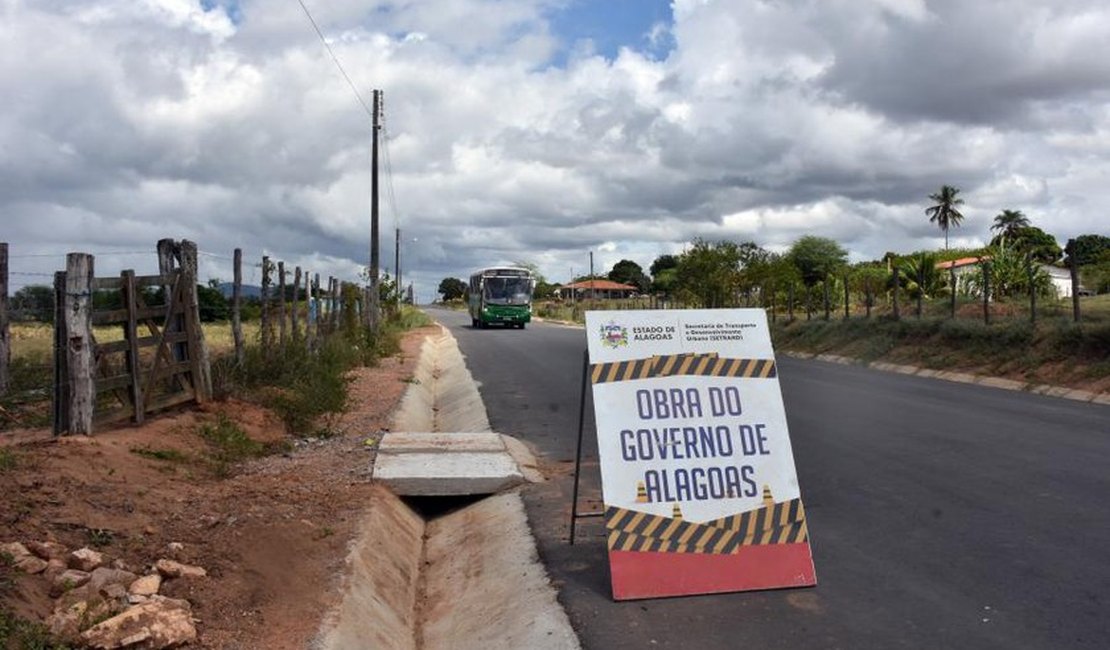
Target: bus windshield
508	291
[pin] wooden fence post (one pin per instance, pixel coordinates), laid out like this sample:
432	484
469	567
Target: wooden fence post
281	304
79	343
5	332
1073	268
1032	293
920	286
265	304
847	298
868	297
296	301
167	254
308	314
894	304
952	283
237	306
203	371
987	293
61	365
131	335
828	302
319	307
333	286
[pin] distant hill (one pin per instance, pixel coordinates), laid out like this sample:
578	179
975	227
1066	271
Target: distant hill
247	291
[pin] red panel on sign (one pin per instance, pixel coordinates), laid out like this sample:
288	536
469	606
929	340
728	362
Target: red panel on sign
638	574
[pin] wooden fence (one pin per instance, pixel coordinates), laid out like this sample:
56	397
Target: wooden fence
162	359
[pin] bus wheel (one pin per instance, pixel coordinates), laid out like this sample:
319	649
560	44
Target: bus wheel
521	325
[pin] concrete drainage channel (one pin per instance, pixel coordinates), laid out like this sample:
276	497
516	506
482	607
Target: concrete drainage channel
469	578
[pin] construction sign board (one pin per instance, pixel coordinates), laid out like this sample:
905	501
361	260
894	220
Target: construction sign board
697	473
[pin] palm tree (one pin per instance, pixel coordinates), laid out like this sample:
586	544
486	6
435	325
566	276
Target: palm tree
1008	222
945	213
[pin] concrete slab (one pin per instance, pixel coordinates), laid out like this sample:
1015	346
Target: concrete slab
447	474
414	442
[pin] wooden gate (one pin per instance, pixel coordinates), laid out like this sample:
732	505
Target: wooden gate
160	361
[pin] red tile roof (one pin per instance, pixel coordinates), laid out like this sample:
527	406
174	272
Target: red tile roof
600	285
963	261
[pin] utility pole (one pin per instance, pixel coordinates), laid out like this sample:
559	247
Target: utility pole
375	292
397	265
593	287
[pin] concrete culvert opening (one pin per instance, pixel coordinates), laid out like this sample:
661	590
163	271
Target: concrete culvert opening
434	507
451	563
458	572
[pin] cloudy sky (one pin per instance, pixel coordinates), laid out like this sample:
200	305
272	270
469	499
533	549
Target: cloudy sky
540	130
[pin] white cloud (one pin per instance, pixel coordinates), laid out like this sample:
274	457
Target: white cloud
126	122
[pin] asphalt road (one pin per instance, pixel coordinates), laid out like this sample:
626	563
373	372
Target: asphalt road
941	515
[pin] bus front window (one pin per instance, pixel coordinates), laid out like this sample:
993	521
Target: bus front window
508	291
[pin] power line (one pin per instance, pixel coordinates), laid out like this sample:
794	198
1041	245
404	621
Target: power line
389	174
28	255
336	59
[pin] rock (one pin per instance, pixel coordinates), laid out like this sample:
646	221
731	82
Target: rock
115	593
157	623
85	559
175	548
146	585
171	569
15	550
48	550
54	568
30	564
65	622
67	580
104	577
72	615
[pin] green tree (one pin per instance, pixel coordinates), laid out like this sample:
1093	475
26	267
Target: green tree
1010	274
1032	241
945	213
816	258
664	274
662	263
1008	222
33	302
707	273
1091	249
629	272
452	289
923	266
212	304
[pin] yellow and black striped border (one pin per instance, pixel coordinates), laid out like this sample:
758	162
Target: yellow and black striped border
779	523
709	365
709	540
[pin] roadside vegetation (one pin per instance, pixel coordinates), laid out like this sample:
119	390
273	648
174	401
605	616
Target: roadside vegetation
306	388
1004	308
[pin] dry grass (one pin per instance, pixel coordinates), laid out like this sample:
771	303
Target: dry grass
36	340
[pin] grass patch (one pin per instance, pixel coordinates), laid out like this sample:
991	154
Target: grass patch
1009	346
228	442
167	455
20	634
8	460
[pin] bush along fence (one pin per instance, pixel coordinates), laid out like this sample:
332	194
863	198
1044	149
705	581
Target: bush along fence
979	292
152	353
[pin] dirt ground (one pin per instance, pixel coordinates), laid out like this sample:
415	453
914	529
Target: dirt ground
271	532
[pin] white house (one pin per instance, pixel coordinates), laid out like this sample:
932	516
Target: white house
1061	281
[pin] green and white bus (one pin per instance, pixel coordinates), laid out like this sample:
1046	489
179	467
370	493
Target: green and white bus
502	294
